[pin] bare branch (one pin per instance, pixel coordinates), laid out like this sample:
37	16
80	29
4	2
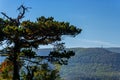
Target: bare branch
22	10
6	16
36	62
21	14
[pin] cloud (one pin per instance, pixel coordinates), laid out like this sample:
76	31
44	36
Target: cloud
98	43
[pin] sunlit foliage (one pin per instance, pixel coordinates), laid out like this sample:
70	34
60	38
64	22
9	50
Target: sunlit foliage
18	38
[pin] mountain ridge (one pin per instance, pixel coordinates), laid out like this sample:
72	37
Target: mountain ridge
93	64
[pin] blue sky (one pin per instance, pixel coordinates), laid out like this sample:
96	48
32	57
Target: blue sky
99	19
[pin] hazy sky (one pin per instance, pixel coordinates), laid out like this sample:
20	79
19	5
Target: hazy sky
99	19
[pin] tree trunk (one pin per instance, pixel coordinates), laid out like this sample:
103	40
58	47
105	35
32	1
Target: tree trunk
16	75
16	66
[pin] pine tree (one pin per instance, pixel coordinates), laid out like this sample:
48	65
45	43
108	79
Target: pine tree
20	37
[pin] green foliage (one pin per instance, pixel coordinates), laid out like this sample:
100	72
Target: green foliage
41	72
46	74
59	57
21	37
28	53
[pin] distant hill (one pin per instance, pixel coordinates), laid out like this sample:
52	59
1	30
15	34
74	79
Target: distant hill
93	64
117	49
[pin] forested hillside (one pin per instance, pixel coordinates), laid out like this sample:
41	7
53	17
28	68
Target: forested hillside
92	64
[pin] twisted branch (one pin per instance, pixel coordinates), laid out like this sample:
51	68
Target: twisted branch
22	10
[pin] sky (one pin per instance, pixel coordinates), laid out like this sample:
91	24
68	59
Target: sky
98	19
